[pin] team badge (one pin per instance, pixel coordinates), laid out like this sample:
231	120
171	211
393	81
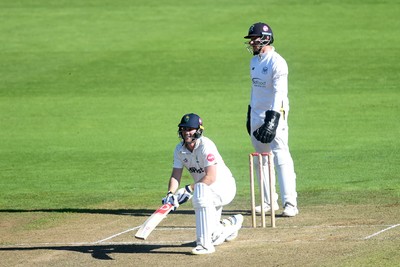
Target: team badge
265	70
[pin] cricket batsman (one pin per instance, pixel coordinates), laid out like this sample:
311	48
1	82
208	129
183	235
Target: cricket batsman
213	186
267	116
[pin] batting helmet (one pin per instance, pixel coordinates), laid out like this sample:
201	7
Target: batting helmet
191	120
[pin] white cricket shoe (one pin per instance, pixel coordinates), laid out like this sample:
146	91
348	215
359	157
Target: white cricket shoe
290	210
267	208
200	250
232	236
238	224
229	230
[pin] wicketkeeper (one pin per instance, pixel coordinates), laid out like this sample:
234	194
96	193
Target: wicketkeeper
268	112
213	186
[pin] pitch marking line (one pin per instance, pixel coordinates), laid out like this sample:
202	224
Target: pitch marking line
186	228
179	228
121	233
386	229
103	241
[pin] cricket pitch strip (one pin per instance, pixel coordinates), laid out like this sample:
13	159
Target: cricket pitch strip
319	235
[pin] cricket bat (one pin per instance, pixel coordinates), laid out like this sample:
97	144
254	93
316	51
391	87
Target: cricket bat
151	223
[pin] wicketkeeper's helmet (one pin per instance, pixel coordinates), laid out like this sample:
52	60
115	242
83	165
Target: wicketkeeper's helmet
191	120
261	30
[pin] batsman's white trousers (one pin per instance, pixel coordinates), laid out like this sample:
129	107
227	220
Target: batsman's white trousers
208	202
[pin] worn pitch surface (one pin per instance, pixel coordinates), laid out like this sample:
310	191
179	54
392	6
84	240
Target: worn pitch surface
319	236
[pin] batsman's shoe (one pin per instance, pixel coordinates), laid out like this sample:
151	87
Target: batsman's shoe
290	210
238	224
232	236
267	207
200	250
230	229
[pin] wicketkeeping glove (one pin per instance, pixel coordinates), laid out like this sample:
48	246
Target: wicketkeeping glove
266	133
248	119
171	199
184	194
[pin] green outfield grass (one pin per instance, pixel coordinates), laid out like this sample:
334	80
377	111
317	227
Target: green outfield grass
91	93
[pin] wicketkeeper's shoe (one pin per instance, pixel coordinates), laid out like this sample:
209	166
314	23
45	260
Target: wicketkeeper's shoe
267	208
200	250
290	210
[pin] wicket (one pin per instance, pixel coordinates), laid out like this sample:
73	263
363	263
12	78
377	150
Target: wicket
261	156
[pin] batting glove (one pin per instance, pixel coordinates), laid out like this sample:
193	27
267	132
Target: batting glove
170	198
184	194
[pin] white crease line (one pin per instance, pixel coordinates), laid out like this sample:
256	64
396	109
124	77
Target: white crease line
181	228
187	228
110	237
137	227
377	233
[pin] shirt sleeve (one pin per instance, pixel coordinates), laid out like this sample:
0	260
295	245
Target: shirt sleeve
210	154
280	84
177	161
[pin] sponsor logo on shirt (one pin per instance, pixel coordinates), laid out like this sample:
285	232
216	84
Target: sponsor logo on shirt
258	82
195	170
210	157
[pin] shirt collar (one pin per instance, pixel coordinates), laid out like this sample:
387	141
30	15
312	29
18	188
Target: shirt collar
184	149
264	55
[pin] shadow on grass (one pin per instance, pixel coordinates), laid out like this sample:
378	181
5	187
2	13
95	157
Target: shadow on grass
102	252
129	212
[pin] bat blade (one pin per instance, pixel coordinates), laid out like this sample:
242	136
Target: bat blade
151	223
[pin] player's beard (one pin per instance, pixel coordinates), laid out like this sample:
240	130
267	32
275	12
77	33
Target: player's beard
256	50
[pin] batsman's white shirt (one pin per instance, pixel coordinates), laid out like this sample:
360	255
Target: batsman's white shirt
208	201
206	154
269	89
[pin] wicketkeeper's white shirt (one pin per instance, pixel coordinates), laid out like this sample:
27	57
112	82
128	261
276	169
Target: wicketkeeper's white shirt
269	90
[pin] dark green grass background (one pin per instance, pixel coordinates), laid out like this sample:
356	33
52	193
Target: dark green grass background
91	93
